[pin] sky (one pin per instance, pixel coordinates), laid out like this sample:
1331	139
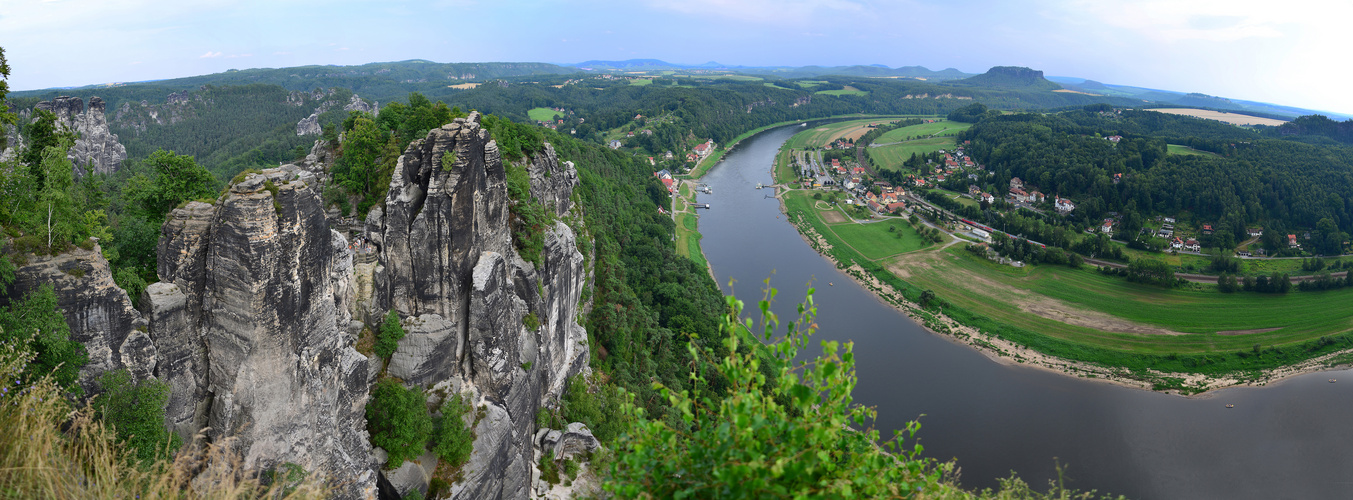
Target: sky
1289	52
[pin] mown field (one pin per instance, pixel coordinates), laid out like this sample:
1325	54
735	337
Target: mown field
542	114
1138	318
845	91
942	127
891	157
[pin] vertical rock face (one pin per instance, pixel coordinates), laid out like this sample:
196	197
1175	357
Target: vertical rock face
478	316
99	313
263	280
97	149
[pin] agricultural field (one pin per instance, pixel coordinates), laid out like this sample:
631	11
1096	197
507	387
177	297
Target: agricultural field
1221	116
849	90
774	86
639	82
1087	308
821	135
941	128
1176	149
891	157
542	114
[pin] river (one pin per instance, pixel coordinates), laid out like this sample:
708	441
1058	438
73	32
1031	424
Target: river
1291	439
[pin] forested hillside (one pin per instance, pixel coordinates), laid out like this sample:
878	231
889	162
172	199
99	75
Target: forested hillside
1249	180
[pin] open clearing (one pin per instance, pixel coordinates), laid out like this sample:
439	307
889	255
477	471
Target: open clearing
848	90
464	86
1069	91
1221	116
543	114
1176	149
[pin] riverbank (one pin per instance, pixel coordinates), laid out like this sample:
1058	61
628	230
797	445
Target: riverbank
993	339
713	159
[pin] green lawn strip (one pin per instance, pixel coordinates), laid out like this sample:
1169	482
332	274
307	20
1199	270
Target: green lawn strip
688	239
1201	353
542	114
639	82
942	127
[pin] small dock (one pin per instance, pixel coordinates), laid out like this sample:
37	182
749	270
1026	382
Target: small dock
700	205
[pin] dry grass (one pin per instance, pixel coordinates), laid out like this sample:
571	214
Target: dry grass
50	450
464	86
1222	116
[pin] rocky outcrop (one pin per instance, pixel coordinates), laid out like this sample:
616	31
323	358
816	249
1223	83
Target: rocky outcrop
479	317
310	124
263	280
96	149
100	314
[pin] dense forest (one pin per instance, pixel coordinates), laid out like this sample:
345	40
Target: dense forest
1248	181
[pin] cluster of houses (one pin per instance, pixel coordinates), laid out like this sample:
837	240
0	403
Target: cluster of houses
1020	193
889	200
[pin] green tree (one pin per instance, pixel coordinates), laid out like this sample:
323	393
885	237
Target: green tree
367	160
57	214
176	178
38	315
6	118
398	421
388	338
453	440
793	434
135	410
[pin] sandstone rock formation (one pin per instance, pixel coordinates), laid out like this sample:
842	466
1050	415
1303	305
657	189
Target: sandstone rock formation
252	322
448	265
310	124
99	313
97	149
263	280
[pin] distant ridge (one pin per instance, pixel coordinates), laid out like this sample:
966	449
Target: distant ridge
870	70
1011	77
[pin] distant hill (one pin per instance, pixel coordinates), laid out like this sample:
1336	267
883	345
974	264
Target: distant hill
1010	77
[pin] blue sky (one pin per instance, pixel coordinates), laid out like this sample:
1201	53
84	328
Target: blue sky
1284	52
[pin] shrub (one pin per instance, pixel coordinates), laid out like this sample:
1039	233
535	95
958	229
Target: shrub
388	338
453	440
531	321
398	421
37	319
135	411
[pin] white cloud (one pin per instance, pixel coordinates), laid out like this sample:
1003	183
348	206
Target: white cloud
209	55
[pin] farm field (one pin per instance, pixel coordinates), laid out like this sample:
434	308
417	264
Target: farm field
639	82
845	91
821	135
891	157
1221	116
542	114
1176	149
942	127
1085	307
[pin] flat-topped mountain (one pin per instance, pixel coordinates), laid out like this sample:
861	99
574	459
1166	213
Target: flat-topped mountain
1011	77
